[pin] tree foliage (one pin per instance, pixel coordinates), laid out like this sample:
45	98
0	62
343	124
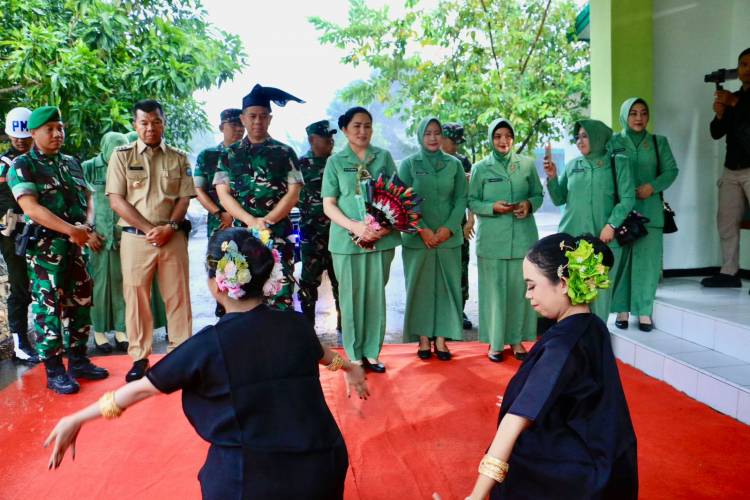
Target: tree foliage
95	58
469	61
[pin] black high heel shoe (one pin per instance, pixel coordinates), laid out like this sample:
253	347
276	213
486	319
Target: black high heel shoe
376	367
424	353
442	355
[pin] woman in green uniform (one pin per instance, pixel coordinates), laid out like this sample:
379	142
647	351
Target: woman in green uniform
108	311
587	189
362	274
504	192
432	257
654	170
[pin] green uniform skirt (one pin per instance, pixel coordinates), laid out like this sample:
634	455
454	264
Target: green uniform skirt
362	280
108	310
638	274
433	293
601	305
505	316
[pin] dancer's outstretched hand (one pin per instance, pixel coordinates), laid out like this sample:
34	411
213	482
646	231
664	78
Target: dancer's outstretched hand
64	435
355	377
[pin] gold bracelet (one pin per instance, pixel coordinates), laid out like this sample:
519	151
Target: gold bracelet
494	468
336	363
108	407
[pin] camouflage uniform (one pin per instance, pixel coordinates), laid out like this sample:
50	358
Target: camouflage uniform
258	176
455	132
203	176
60	285
20	297
314	228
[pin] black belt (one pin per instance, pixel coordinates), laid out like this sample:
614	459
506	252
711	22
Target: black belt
133	230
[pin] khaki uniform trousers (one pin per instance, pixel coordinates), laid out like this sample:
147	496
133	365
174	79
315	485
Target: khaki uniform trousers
140	262
734	193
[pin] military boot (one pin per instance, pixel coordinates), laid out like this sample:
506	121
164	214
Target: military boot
57	378
79	366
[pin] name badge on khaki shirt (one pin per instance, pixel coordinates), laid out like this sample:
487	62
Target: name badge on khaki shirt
136	183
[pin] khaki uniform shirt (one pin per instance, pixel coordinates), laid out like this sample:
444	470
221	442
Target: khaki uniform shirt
150	179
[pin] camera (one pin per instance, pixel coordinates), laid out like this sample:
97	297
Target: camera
720	76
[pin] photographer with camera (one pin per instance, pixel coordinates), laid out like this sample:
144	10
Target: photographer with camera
733	121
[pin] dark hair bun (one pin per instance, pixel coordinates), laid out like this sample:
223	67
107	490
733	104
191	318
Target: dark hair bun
548	254
259	258
346	118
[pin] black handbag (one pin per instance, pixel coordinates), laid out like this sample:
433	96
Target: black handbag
634	225
670	226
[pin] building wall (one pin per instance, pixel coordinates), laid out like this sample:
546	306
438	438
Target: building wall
690	39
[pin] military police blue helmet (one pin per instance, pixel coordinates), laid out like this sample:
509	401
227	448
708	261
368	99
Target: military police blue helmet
17	123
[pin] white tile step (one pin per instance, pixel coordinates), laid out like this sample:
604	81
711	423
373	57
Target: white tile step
713	378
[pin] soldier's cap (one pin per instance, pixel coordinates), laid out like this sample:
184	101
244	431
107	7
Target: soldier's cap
231	115
454	132
262	96
43	115
132	136
321	128
17	123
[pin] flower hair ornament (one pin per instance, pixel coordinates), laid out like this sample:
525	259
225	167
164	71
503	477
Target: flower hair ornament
586	272
232	270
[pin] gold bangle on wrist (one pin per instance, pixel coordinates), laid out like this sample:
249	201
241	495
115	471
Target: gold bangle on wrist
493	468
108	407
336	363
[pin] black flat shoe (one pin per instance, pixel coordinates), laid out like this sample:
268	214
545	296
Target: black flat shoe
424	354
721	280
103	348
622	324
467	323
495	357
442	355
122	346
137	371
373	367
645	327
520	355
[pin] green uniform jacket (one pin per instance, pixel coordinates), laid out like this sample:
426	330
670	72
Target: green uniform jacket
586	187
340	181
56	181
95	174
443	189
643	164
504	236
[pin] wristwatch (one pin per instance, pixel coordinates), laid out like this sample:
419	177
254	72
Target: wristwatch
174	225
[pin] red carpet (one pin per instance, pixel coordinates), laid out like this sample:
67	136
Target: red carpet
424	429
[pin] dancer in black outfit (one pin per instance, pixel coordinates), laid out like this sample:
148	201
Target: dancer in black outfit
249	386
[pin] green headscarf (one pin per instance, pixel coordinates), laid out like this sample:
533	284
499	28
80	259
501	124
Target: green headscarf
636	137
432	158
502	158
599	135
109	142
132	136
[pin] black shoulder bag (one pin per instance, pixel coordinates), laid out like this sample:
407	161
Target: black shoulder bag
670	226
634	225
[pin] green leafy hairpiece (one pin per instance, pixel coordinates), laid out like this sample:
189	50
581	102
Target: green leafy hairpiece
586	272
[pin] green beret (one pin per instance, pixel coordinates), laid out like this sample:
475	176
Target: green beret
43	115
321	128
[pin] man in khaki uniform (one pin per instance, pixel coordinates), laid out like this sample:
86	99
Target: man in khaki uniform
149	187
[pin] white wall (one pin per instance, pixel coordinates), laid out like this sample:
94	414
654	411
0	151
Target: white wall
692	38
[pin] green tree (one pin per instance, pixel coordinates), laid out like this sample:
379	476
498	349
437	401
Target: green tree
95	58
469	61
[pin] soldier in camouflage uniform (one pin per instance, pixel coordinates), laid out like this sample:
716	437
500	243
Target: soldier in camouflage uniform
314	225
50	188
259	181
205	168
10	213
453	135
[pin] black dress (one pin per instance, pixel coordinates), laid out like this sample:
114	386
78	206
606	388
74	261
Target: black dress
250	387
581	444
